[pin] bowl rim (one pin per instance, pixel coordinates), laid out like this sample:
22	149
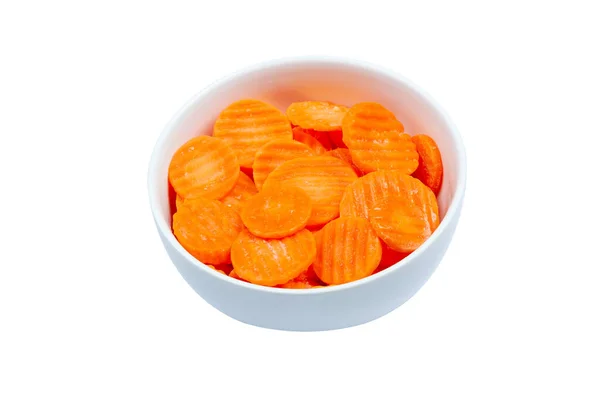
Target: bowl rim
453	210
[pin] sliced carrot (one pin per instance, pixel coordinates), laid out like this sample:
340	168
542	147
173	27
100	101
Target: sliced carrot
430	170
376	139
360	196
344	155
293	284
307	279
206	229
241	192
246	125
322	137
301	136
277	211
215	268
178	201
234	275
400	219
337	139
272	262
348	249
323	178
203	167
275	153
318	115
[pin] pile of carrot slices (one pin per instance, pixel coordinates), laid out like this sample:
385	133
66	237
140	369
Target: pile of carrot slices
323	194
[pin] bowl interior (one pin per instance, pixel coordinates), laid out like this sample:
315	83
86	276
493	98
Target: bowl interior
281	83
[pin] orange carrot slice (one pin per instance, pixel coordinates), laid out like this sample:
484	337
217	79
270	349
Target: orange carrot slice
376	139
276	212
241	192
234	275
344	155
178	201
400	219
272	262
275	153
348	249
317	115
323	178
430	170
299	285
215	268
301	136
360	196
206	229
203	167
246	125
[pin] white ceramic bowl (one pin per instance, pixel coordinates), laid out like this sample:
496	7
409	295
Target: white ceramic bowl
281	82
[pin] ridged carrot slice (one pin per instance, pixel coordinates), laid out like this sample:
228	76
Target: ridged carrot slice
203	167
376	139
323	178
400	220
241	192
247	125
271	262
206	229
301	136
348	249
317	115
215	268
344	155
178	201
275	153
430	170
293	284
277	211
234	275
322	137
362	194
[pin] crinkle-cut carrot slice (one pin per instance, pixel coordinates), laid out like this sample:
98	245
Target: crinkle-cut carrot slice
277	211
344	155
215	268
178	201
389	257
401	222
318	115
376	139
337	139
307	279
206	229
323	178
247	125
322	137
275	153
301	136
430	170
234	275
203	167
299	285
348	249
271	262
360	196
243	190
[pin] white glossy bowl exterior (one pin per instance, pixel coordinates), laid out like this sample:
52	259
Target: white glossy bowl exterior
281	82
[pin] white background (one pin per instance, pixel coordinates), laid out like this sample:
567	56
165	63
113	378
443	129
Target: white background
90	305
